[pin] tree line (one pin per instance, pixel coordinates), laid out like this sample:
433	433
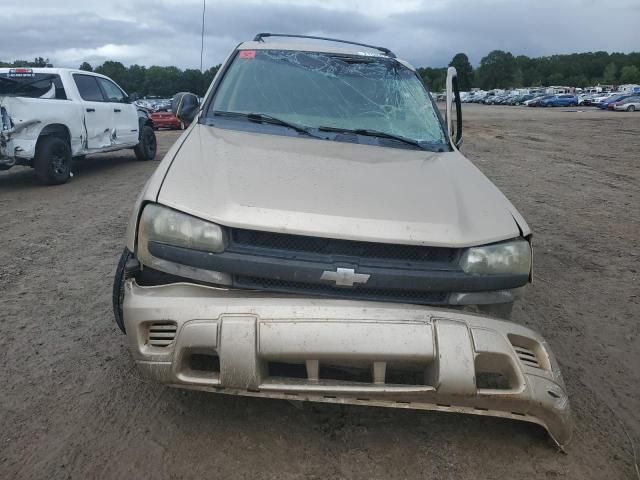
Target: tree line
498	69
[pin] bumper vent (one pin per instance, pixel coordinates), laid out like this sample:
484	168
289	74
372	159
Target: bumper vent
161	334
527	357
530	352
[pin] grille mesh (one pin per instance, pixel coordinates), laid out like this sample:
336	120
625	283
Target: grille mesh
389	295
333	247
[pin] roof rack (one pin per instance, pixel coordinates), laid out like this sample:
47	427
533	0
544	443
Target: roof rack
260	38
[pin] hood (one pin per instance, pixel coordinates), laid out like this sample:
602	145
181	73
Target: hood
335	189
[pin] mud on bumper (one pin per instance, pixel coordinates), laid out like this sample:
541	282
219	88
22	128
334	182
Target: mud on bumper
338	351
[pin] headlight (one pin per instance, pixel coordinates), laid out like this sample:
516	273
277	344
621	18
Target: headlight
163	225
512	257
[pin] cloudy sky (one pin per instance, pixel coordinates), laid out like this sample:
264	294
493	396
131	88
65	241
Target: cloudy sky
426	32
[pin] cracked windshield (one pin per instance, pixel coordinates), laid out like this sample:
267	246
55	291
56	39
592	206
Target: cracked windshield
331	90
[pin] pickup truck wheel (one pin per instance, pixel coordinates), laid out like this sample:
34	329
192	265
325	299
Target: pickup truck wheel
146	149
118	289
52	161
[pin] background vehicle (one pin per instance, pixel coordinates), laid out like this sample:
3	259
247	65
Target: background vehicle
629	104
51	115
166	119
607	104
598	99
535	102
521	99
562	100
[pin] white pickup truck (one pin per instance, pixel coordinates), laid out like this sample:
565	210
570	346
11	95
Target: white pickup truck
49	116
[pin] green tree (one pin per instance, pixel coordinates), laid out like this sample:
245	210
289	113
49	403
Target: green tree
465	71
136	77
40	62
555	79
609	74
518	78
163	81
37	62
115	71
86	66
497	70
630	74
193	81
434	78
577	81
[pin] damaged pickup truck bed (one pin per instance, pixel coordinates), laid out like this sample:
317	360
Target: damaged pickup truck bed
48	116
317	235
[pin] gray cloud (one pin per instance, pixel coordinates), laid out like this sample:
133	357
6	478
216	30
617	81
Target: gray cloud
166	32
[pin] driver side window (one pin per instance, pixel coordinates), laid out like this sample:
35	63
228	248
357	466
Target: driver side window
114	94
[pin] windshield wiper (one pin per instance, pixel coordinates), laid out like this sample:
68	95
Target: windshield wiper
266	118
374	133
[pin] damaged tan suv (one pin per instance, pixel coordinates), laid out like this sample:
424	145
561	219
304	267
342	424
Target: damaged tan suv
316	235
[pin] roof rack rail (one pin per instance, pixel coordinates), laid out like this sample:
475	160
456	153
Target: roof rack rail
260	38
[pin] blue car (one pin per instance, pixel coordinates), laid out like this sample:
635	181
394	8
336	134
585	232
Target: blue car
611	100
564	100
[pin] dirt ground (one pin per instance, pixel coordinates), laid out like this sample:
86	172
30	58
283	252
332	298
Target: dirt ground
73	406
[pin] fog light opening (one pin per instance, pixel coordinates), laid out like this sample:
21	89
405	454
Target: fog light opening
495	372
203	362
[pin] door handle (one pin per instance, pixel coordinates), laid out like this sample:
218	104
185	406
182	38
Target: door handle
117	110
91	109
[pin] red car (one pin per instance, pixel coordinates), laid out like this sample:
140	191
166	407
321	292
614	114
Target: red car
166	120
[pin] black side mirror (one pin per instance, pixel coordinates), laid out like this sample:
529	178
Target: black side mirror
185	106
453	97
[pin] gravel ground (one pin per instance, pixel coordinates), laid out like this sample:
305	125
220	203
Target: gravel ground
73	406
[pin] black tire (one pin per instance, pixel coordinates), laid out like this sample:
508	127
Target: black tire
146	149
52	161
118	289
631	108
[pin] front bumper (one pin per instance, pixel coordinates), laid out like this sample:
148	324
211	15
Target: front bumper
365	353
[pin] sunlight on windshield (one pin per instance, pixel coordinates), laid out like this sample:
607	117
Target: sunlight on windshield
320	89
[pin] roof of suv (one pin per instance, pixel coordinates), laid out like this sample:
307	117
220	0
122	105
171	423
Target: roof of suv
319	47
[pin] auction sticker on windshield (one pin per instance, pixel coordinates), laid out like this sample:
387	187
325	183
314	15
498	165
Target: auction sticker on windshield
248	54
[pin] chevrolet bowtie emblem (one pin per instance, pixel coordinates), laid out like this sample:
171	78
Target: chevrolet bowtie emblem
344	277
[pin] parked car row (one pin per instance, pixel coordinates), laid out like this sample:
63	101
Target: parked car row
625	102
608	101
